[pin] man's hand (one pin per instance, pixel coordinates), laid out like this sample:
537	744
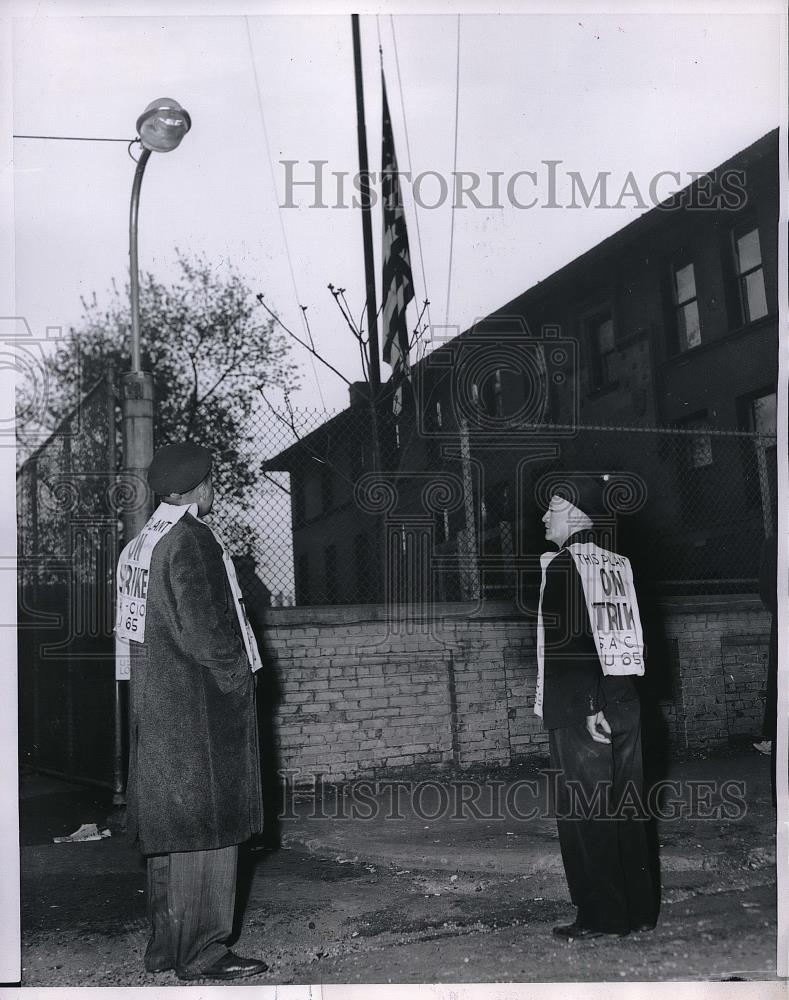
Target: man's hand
598	728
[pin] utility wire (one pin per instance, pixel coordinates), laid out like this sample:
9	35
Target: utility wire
71	138
410	167
454	172
279	207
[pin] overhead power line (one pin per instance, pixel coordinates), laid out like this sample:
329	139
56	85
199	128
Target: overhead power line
454	174
72	138
279	207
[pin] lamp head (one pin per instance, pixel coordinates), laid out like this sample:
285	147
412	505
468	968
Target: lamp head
162	125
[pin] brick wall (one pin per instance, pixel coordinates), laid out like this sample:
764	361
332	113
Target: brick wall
360	696
744	672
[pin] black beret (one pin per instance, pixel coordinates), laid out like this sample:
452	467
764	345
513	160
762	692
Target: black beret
178	468
590	491
586	492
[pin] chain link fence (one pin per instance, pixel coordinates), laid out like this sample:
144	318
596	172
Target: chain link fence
67	545
351	509
357	507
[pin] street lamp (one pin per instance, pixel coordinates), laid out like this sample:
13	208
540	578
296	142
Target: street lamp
160	129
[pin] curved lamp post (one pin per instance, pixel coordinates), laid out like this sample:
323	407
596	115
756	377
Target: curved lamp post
160	129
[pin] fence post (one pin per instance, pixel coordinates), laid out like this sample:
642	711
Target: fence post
29	551
764	484
469	573
33	492
118	782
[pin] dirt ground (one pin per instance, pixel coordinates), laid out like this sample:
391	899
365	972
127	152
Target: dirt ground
315	920
322	915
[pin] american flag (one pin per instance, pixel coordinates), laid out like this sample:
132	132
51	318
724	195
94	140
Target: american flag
398	286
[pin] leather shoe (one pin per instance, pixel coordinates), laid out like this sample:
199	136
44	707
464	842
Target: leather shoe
229	966
574	932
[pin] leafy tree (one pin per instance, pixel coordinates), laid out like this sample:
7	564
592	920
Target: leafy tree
210	353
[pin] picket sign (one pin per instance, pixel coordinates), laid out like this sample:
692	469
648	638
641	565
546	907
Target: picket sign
134	567
610	595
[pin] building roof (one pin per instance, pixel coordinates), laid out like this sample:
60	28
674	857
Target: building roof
316	441
654	219
645	224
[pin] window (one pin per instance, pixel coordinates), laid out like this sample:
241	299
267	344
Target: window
357	457
751	296
434	426
330	573
363	567
758	413
686	307
600	336
488	396
698	444
327	489
700	451
499	502
303	587
297	497
763	414
699	479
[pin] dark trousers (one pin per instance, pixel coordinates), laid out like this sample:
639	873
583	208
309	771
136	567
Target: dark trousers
606	860
191	901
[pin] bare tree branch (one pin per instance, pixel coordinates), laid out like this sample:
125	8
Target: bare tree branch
271	479
298	340
290	422
339	297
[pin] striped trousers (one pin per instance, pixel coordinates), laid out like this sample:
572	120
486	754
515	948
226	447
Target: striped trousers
191	901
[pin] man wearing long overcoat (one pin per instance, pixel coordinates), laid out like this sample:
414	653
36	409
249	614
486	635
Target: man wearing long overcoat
194	778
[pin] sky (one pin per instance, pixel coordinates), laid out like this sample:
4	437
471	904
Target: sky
597	92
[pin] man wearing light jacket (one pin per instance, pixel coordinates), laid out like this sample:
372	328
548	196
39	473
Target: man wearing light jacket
194	778
590	647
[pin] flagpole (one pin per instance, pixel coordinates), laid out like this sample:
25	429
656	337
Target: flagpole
367	231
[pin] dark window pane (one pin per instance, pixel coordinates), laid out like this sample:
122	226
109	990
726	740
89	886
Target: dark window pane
755	298
700	451
605	335
601	334
689	326
303	589
764	414
327	489
330	573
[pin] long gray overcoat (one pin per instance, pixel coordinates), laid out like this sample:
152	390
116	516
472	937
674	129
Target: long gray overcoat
194	772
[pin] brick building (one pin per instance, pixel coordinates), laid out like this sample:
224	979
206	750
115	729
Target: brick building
670	323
